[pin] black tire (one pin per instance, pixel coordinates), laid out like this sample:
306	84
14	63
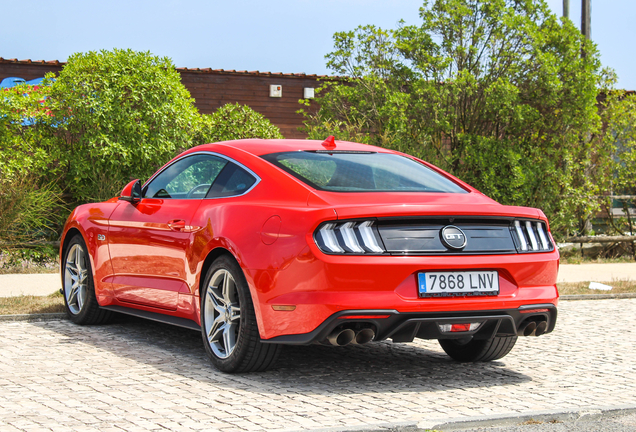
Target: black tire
78	288
478	350
238	348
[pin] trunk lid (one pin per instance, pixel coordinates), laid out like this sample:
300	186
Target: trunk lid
350	205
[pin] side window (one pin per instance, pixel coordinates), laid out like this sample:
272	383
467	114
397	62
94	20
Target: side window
233	181
188	178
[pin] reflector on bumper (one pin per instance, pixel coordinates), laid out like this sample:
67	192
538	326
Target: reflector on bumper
452	328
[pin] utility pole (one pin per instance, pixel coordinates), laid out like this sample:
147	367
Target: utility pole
566	8
586	18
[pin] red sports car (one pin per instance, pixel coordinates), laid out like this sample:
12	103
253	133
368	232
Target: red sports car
262	243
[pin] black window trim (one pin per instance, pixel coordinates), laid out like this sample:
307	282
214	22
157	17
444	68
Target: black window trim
230	160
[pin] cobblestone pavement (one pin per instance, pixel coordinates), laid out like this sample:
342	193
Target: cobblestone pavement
137	375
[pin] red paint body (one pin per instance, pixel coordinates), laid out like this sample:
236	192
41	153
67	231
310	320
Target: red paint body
155	248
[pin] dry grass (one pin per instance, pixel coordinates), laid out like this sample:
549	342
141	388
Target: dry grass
33	269
577	259
618	287
31	304
530	422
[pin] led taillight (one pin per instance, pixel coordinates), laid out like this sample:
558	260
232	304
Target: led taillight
543	236
368	238
522	238
348	237
533	239
329	238
532	236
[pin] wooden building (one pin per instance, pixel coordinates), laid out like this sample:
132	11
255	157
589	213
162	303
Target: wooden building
275	95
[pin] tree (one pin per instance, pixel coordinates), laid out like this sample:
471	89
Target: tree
117	114
494	91
616	164
235	121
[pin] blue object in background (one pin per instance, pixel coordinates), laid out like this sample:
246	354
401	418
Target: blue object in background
16	81
36	81
12	82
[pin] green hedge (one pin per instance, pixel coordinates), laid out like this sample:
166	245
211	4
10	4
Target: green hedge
108	116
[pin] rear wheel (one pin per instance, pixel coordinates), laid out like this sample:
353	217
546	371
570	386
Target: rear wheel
228	323
79	290
478	350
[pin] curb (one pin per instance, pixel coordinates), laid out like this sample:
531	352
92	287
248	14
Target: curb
461	424
33	317
380	427
585	414
597	296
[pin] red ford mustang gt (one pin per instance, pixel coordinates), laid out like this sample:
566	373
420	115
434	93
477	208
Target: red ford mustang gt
261	243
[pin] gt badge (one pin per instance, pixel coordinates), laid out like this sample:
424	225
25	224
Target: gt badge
101	237
452	237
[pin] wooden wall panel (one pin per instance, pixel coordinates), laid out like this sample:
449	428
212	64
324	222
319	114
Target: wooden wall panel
27	71
213	90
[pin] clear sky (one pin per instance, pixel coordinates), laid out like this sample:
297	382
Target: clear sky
265	35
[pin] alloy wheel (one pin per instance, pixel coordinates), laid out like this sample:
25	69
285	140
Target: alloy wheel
75	278
222	313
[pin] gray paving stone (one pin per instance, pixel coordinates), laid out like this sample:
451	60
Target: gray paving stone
138	375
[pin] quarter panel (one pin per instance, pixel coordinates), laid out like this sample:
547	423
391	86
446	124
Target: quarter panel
238	224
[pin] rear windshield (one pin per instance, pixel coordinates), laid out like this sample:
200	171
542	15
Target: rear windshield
362	172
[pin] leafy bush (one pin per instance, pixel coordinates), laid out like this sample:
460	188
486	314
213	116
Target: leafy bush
494	91
117	114
108	117
235	121
615	166
25	144
30	201
36	259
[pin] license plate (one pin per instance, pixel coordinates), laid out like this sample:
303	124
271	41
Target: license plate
461	283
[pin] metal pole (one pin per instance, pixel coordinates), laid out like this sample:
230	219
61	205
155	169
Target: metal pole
566	8
586	18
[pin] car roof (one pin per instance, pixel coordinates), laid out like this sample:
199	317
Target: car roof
259	147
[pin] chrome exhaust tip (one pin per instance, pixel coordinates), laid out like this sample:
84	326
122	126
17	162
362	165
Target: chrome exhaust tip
541	328
341	337
363	336
527	329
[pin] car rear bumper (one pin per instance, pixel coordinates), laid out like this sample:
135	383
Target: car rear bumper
406	326
318	286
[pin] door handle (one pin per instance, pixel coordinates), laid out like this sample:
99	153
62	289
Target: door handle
177	224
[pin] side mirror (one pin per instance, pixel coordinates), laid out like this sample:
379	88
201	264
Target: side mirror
132	192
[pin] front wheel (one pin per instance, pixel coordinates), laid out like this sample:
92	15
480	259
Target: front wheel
79	291
228	323
478	350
